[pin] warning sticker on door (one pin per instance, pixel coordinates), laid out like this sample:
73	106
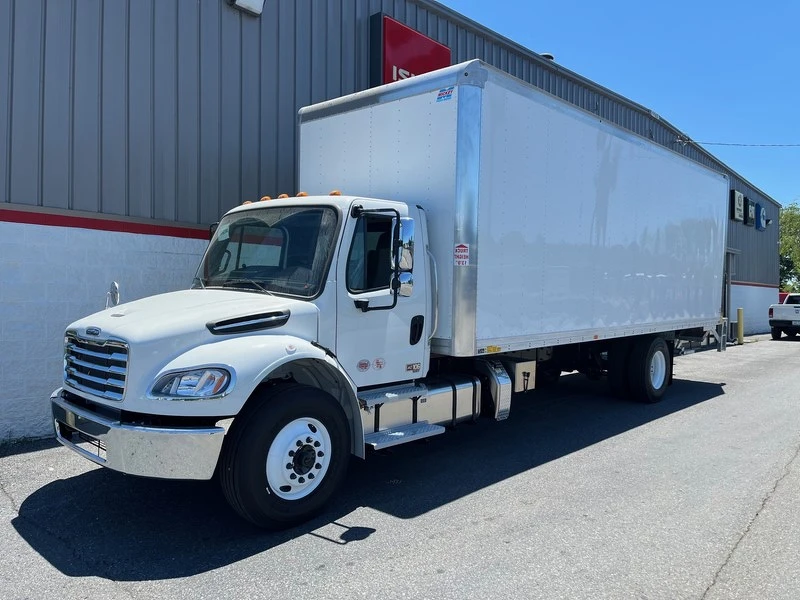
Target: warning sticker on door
461	255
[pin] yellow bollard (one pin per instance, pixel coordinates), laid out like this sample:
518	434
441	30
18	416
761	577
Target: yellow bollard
740	326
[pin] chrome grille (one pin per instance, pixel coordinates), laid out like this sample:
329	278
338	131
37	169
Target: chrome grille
96	367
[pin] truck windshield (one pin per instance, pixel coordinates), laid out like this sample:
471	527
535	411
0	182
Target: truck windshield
283	250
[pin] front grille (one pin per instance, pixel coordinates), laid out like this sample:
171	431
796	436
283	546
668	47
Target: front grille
96	367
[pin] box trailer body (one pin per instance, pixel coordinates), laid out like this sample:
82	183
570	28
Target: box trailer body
491	237
548	225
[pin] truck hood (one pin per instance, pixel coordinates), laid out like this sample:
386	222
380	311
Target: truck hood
188	313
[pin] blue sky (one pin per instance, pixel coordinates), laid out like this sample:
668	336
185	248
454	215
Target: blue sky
718	71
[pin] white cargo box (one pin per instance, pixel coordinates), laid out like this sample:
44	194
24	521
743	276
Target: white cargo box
549	225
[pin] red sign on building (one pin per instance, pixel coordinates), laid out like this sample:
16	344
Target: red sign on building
399	52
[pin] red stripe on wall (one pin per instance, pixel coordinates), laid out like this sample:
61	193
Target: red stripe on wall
40	218
752	284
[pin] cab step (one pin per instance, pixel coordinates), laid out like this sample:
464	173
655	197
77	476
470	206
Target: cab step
386	395
402	434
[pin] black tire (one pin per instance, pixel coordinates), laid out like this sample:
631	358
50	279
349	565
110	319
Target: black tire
791	334
277	420
649	369
618	359
776	333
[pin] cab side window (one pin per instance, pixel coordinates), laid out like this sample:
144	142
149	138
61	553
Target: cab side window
369	265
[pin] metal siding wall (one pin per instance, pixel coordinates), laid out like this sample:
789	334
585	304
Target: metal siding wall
270	91
25	99
179	110
165	109
250	125
231	116
188	113
56	110
210	120
6	56
140	113
114	111
86	106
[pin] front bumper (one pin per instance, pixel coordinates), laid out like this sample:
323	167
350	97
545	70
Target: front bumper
161	452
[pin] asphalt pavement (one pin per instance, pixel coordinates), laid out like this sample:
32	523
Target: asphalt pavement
576	495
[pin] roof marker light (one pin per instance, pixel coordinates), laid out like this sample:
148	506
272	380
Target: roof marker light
265	198
283	196
335	193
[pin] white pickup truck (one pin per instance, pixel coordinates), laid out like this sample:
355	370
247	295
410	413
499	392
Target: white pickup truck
785	317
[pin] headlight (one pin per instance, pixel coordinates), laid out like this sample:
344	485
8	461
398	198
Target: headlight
201	383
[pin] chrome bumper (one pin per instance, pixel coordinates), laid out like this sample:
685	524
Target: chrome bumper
162	452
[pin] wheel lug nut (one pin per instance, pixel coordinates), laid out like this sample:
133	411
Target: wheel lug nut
317	466
320	453
316	444
301	480
288	465
299	443
311	476
292	476
309	440
291	452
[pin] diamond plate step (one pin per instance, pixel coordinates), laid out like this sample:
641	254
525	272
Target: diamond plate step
402	434
396	393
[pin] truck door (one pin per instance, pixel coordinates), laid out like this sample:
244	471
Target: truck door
377	342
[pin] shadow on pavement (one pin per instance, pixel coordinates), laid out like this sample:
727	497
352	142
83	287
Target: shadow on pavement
105	524
25	446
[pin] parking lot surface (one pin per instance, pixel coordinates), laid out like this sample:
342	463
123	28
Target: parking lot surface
576	495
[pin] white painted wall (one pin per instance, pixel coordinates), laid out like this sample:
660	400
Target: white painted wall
50	277
755	301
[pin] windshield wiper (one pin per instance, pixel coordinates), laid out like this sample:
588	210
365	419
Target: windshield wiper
240	280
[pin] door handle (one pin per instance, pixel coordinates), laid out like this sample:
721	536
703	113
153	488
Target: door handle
417	327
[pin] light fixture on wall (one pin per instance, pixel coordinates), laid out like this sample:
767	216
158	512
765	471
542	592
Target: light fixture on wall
254	7
768	222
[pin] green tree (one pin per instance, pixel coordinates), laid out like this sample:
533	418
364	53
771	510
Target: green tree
789	247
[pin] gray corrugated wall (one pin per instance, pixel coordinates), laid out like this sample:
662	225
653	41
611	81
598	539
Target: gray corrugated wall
179	109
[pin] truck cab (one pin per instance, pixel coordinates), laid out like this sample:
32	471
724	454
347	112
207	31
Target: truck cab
308	298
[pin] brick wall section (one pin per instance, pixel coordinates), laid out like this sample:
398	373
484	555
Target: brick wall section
52	276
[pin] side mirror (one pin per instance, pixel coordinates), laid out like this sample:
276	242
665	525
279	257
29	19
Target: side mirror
403	256
212	229
112	295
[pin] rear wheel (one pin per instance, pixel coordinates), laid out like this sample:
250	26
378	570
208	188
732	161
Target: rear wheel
776	333
649	369
285	456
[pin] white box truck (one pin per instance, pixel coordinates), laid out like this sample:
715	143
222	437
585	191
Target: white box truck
488	237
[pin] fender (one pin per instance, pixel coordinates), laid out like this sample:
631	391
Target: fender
255	359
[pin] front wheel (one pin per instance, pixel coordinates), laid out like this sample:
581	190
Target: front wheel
776	333
285	456
650	367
